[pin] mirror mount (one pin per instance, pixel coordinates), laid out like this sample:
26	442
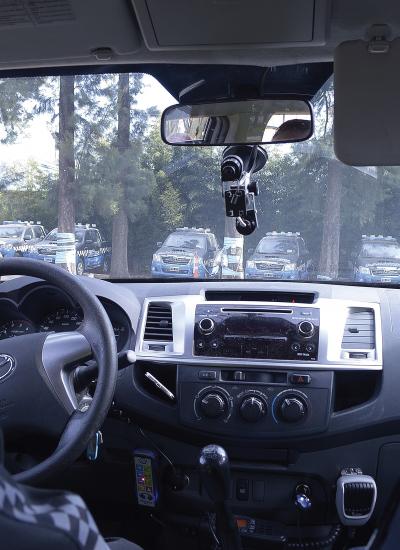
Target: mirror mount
238	165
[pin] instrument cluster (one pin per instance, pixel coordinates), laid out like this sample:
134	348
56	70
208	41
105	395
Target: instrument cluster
47	309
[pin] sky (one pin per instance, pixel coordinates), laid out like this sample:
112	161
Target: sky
38	144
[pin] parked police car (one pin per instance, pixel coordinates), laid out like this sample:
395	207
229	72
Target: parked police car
188	252
17	238
377	260
280	256
92	253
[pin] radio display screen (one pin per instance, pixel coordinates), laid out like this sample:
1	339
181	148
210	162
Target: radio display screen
251	324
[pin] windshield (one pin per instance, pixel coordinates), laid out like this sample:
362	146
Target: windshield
277	246
185	241
379	250
103	164
9	232
79	235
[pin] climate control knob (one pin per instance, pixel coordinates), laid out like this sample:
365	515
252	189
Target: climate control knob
292	408
306	329
252	409
213	405
206	325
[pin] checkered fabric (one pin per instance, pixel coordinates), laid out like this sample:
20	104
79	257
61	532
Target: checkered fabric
54	509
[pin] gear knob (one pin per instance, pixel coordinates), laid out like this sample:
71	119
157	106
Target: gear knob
215	472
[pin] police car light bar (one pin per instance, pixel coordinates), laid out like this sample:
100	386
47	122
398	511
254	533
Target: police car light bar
283	233
194	229
15	222
375	237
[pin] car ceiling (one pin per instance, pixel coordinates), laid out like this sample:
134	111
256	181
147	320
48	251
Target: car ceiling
254	40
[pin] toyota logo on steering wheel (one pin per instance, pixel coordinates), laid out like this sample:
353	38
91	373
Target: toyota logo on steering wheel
7	366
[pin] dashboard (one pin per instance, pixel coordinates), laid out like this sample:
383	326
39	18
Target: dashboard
298	381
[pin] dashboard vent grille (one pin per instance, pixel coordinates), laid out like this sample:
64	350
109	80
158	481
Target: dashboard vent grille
260	296
359	331
159	322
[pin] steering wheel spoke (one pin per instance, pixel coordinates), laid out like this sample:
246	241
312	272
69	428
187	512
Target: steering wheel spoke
61	353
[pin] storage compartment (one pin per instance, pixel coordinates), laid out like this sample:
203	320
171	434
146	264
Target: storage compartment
354	388
165	374
222	22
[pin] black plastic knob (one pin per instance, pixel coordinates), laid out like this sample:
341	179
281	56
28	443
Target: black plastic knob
206	325
252	409
292	409
306	329
213	405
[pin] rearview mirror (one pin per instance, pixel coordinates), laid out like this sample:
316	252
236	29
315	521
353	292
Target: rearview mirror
245	122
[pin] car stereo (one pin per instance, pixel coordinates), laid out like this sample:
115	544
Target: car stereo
257	332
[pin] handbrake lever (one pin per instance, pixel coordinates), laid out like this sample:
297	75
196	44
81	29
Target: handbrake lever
84	374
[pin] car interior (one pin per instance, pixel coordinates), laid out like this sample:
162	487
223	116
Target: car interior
202	409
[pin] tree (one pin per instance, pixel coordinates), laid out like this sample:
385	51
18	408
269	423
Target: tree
329	257
119	260
66	167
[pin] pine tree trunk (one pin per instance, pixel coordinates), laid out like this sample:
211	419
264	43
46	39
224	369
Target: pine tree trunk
119	258
233	246
330	248
66	165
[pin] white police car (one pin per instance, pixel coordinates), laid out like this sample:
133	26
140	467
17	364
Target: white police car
187	252
377	260
92	252
280	255
17	238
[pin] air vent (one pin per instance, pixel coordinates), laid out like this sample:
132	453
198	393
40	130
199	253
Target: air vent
359	331
14	13
259	296
159	322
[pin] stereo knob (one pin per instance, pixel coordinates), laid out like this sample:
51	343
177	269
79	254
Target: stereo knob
306	329
252	409
292	409
206	325
213	405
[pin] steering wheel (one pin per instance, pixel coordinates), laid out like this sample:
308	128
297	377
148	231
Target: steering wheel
36	372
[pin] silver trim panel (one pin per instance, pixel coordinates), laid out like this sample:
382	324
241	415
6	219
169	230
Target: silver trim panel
333	316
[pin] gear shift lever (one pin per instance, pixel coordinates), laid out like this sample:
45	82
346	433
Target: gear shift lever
216	479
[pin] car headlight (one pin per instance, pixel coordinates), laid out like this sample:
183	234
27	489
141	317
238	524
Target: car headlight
156	258
364	270
251	264
290	267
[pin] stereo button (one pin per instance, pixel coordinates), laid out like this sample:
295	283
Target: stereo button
306	329
300	379
206	325
207	375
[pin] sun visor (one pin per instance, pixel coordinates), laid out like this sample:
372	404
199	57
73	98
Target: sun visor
367	103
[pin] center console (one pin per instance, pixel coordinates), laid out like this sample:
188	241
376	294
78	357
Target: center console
256	369
254	403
